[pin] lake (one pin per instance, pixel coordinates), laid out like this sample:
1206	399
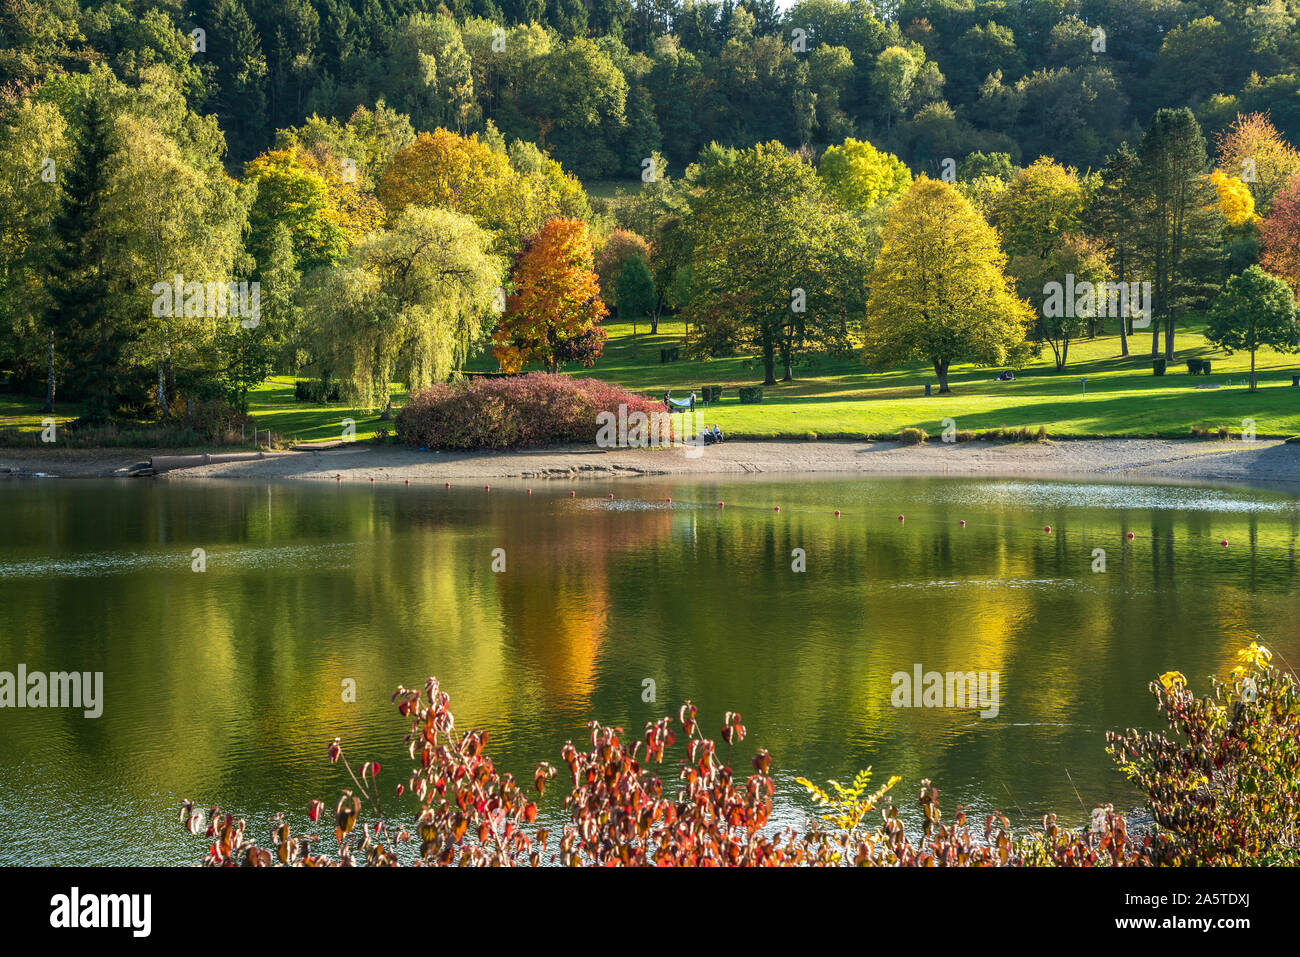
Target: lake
227	685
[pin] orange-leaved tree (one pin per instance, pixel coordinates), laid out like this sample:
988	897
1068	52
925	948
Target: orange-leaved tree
553	316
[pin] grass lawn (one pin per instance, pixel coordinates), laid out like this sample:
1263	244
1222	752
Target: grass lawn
840	397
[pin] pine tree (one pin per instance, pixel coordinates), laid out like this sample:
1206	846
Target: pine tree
81	311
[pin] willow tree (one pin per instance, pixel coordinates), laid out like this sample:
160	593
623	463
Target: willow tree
408	302
939	291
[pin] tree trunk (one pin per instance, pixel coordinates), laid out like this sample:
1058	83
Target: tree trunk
49	379
387	414
1252	370
1155	338
941	371
162	391
1169	338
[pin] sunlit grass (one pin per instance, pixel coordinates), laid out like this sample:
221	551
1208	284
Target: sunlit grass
833	397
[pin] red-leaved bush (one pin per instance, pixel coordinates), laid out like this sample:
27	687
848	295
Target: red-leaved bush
526	411
621	813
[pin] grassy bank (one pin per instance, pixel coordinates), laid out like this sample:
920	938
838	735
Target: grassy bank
841	398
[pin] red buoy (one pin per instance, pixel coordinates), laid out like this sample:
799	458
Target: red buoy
572	493
530	491
669	499
1224	543
1130	536
372	478
776	508
611	494
719	505
837	513
900	518
487	488
446	485
962	523
1047	528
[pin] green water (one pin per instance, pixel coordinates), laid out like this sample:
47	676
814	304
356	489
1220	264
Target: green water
226	686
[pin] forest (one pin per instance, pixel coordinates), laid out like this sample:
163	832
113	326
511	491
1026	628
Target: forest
198	194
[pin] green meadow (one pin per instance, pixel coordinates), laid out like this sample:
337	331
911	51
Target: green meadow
841	397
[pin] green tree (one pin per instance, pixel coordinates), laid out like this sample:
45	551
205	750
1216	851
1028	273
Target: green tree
861	175
763	231
1181	225
1254	309
938	290
408	301
636	293
81	313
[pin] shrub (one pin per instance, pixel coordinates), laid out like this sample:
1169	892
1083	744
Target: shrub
670	355
751	394
316	390
1158	366
527	411
1227	791
1205	367
912	436
620	813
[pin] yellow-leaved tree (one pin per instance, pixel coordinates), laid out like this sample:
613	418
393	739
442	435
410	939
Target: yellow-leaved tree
939	292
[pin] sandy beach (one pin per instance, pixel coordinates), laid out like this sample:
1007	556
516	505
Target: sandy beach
1267	461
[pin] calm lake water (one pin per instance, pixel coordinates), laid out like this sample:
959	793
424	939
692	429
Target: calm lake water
226	686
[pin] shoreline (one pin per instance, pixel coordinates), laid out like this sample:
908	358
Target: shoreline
1268	461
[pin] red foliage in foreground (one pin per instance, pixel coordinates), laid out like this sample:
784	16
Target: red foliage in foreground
620	812
527	411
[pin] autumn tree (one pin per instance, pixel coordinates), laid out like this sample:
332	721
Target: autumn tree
553	315
1279	235
1254	310
1253	151
619	247
939	292
465	174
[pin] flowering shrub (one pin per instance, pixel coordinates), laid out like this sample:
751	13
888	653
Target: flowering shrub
1229	791
527	411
